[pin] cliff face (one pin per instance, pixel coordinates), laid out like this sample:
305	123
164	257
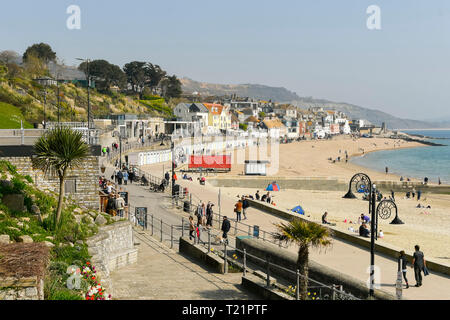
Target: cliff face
279	94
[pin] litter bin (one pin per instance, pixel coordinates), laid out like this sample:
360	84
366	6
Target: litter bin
187	206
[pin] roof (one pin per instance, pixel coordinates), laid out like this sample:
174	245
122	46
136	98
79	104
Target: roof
198	107
273	124
247	111
251	119
212	110
234	118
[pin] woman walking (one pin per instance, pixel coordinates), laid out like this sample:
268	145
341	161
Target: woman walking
191	228
402	263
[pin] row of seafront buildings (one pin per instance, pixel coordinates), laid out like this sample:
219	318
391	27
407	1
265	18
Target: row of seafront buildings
265	118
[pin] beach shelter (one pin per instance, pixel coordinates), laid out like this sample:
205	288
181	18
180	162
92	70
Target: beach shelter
273	187
299	210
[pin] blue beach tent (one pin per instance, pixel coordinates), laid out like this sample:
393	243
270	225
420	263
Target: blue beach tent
273	187
298	210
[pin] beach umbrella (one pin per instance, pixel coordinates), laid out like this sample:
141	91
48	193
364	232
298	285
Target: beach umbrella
299	210
273	187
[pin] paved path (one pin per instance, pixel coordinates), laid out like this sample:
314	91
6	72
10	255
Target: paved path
344	257
161	272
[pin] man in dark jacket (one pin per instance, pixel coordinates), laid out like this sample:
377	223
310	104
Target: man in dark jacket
418	264
225	228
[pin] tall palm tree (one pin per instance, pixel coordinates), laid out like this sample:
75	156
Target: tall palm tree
305	235
57	151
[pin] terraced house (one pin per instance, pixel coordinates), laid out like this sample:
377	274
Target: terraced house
219	117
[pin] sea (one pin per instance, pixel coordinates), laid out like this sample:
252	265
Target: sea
430	161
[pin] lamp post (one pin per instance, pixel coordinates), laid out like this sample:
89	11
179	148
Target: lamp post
121	137
362	182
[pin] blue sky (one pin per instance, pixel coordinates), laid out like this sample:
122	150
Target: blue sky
314	48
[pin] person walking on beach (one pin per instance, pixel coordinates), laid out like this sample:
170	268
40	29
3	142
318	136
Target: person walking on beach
413	193
402	264
238	210
419	264
387	170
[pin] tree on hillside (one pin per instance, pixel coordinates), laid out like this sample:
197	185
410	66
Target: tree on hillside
106	74
154	75
35	66
305	235
136	75
171	87
42	51
59	150
8	57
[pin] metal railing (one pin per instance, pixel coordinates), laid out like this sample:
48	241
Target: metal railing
316	290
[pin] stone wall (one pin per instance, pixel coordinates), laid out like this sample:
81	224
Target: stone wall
29	288
84	179
112	248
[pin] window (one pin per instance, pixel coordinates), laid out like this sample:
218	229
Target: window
70	186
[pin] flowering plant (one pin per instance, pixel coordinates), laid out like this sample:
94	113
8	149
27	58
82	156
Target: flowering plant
96	290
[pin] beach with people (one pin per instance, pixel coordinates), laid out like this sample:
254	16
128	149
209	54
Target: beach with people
426	221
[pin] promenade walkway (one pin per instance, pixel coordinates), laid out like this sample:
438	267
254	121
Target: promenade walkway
161	272
344	257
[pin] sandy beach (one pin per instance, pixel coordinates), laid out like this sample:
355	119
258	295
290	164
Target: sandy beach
428	227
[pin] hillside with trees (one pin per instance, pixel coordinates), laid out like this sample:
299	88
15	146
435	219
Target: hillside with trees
141	88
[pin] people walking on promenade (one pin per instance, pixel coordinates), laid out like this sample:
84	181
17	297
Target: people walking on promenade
203	220
191	228
245	205
130	175
199	213
238	210
419	193
226	226
402	264
419	265
111	205
257	197
120	205
119	177
125	176
209	215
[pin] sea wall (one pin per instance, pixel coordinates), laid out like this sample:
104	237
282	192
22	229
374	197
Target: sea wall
324	184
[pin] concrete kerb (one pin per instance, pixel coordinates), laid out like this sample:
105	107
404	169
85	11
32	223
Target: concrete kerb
198	252
385	249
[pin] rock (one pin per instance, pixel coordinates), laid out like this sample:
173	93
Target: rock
26	239
49	244
50	238
77	211
4	239
13	228
80	242
14	202
93	214
20	224
100	220
35	210
25	219
116	218
70	244
78	218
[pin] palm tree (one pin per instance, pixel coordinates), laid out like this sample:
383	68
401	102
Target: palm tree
57	151
305	235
